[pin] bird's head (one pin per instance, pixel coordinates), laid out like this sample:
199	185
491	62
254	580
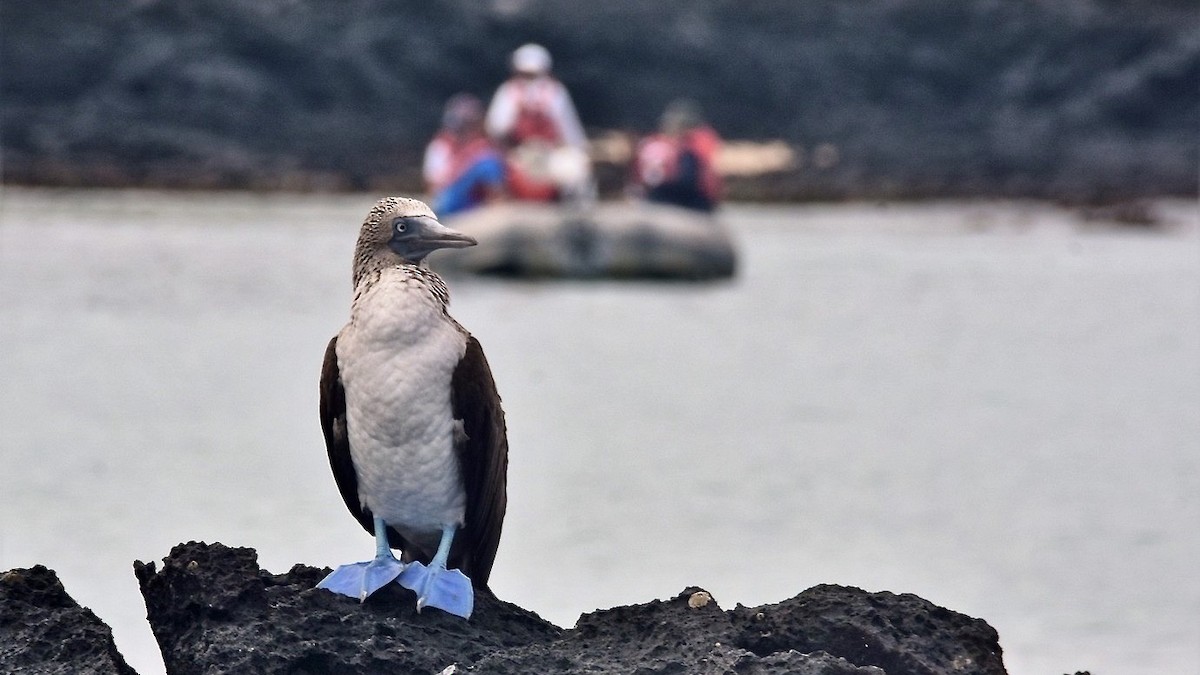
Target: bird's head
399	229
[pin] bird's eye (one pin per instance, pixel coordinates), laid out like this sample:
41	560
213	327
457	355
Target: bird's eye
401	226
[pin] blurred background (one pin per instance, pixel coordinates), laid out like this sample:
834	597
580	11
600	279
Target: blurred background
1074	99
959	356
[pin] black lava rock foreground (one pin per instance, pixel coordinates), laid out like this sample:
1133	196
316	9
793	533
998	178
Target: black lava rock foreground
213	609
43	630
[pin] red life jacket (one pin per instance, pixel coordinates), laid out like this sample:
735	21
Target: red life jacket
535	100
657	160
463	155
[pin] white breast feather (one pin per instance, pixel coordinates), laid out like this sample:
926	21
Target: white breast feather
396	357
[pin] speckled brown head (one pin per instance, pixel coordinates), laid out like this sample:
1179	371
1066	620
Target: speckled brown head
398	231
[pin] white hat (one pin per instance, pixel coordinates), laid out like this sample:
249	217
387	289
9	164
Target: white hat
531	58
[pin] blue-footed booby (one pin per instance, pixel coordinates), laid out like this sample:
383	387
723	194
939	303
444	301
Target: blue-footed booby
412	420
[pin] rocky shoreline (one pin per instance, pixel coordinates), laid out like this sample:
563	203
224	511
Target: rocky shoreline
43	629
213	609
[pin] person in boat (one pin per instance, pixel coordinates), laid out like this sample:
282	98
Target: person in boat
677	166
532	116
462	168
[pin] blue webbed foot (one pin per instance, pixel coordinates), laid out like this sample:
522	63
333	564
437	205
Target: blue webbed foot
436	586
358	580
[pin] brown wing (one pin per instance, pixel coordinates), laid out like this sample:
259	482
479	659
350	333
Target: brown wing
483	458
337	444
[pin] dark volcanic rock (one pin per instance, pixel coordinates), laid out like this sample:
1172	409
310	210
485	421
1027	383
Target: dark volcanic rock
212	607
903	634
43	630
687	634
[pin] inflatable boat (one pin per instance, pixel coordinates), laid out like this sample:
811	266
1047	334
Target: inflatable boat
617	240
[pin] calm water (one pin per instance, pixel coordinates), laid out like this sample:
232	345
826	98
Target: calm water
989	405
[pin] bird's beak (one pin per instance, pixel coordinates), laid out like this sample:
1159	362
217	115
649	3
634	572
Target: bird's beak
437	235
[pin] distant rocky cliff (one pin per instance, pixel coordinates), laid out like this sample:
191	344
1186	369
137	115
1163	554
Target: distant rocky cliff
1078	99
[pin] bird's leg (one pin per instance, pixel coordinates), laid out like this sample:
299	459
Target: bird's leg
436	586
358	580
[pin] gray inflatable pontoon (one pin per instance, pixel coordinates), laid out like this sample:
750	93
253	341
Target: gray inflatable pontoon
618	240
